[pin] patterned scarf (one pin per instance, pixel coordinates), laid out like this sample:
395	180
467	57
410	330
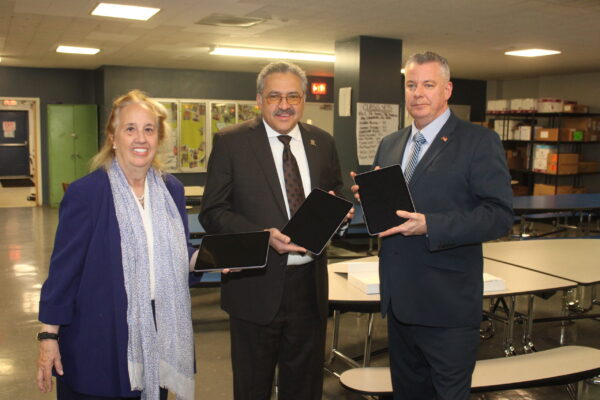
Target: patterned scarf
162	354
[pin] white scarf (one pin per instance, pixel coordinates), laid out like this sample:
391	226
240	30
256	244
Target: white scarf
162	354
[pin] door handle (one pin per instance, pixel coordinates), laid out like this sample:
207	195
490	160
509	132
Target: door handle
13	144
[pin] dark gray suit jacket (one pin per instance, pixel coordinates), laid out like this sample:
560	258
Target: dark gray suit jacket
243	193
462	185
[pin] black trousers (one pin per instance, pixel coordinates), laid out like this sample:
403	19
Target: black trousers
431	363
294	342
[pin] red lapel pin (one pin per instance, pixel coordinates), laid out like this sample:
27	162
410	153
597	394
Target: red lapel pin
444	138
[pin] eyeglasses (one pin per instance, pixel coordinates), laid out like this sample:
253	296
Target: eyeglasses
292	99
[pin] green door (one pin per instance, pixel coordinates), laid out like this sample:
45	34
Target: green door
72	142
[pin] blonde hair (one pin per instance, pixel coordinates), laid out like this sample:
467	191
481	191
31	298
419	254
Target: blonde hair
106	154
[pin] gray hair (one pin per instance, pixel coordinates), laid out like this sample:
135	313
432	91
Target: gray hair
427	57
280	67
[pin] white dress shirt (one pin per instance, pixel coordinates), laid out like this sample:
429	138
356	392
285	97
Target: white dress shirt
297	147
430	132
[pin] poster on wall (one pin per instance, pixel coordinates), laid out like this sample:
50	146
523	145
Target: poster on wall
373	122
168	149
247	111
192	137
222	115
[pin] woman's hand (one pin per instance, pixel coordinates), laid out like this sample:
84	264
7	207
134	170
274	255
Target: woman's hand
49	357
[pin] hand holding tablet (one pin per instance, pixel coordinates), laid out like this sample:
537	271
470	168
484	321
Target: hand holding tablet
317	220
383	192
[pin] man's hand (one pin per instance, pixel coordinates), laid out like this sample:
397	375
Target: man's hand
282	243
416	224
354	188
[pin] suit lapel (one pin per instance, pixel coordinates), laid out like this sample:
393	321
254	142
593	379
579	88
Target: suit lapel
312	156
440	143
259	143
397	154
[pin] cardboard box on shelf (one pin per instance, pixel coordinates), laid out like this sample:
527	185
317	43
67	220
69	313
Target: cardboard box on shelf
547	134
514	159
550	105
571	135
581	123
520	190
541	189
562	164
575	108
507	128
540	156
588	166
500	106
525	132
591	136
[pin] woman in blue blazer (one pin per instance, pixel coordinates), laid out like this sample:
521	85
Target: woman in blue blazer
116	307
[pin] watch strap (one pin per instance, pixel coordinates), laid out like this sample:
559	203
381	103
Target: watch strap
47	335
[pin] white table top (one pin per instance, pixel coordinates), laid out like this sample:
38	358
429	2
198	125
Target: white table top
573	259
518	281
193	191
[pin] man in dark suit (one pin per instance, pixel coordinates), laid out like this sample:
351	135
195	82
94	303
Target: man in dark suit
277	314
431	265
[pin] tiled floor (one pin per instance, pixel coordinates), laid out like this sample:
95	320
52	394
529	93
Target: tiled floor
26	239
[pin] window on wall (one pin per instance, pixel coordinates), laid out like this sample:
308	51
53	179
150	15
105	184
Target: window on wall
193	124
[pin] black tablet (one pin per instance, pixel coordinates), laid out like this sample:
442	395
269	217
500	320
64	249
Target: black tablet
233	250
317	220
383	192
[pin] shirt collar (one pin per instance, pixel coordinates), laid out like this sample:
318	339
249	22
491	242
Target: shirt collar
433	128
294	133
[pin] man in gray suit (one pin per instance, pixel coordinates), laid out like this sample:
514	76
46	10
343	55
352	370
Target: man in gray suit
431	265
278	314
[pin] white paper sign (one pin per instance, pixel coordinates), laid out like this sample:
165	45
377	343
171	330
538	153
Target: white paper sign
344	102
9	128
373	122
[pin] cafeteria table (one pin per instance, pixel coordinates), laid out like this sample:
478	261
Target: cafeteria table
343	296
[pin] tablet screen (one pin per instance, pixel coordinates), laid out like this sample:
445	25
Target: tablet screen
233	250
317	220
383	192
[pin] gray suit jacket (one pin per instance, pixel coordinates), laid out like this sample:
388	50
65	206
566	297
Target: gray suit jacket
462	185
243	193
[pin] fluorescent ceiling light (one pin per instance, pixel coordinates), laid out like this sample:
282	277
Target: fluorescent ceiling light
532	53
123	11
260	53
76	50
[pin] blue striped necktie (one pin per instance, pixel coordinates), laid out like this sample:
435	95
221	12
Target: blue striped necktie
419	140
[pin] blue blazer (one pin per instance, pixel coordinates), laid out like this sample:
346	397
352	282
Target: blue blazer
462	185
85	290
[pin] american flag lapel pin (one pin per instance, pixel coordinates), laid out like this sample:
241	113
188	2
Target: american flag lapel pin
444	138
313	143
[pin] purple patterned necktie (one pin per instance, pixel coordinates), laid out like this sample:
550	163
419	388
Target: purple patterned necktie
291	175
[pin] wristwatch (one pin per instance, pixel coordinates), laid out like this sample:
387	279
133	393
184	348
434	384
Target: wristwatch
47	335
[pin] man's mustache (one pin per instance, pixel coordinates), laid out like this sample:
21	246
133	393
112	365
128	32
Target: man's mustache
289	111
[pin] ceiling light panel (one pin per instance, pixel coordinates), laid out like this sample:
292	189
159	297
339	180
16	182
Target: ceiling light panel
532	53
273	54
124	11
76	50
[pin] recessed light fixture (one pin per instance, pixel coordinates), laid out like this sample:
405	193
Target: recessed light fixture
76	50
276	54
123	11
532	52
